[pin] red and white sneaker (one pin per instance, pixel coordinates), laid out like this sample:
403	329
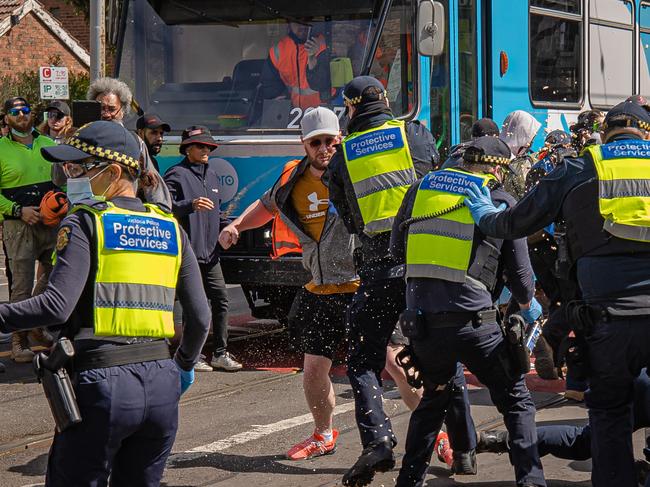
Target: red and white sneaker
314	446
443	449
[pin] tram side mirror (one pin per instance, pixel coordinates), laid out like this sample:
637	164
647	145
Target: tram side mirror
431	28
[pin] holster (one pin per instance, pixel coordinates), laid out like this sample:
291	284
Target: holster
583	317
51	372
562	267
406	360
514	330
413	324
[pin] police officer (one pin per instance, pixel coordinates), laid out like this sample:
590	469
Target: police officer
604	198
574	442
368	177
453	276
126	385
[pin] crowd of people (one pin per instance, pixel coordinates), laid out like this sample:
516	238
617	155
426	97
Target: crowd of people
31	187
418	266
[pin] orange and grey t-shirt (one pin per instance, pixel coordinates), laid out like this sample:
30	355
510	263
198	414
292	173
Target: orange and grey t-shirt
310	199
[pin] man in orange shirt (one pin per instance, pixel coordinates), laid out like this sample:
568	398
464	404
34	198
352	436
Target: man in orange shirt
297	68
301	200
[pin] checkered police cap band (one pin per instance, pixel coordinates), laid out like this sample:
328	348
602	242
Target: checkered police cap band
626	121
108	154
480	158
358	99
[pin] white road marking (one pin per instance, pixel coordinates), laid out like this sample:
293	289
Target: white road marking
257	432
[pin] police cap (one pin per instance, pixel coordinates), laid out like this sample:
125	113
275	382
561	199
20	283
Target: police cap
627	114
487	150
107	140
363	89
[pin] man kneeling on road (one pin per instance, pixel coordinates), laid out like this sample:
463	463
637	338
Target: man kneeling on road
301	201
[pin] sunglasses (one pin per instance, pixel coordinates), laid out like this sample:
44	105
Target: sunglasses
78	169
55	115
316	143
14	112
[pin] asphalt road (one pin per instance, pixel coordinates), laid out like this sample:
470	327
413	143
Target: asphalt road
236	428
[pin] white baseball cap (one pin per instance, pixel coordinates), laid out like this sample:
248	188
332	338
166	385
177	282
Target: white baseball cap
319	121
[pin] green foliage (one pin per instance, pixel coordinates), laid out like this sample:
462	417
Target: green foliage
27	85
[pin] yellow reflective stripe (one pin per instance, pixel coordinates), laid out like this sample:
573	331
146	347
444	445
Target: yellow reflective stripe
444	228
432	271
136	296
378	226
624	188
628	232
381	182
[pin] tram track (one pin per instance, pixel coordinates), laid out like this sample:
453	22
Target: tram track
39	441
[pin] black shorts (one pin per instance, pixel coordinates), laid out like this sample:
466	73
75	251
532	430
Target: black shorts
317	322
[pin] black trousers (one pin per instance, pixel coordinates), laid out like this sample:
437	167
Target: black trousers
481	349
217	293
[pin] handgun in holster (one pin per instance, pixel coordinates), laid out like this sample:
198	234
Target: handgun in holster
413	324
575	348
51	372
514	330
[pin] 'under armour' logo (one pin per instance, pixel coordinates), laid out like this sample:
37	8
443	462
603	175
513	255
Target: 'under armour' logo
315	202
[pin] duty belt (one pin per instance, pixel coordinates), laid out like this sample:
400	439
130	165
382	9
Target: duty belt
451	319
121	355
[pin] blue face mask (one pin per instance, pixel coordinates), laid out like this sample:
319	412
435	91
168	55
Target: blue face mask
79	189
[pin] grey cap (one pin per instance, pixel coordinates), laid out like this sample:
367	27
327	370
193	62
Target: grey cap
319	121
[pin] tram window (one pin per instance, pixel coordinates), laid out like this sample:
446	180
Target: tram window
555	44
619	11
611	51
393	61
568	6
644	48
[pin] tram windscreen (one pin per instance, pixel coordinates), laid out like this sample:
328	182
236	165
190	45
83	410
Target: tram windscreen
241	66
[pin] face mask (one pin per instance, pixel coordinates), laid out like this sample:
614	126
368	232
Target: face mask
80	188
20	134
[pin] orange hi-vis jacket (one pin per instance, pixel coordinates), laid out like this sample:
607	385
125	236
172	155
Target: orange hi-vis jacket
284	240
290	59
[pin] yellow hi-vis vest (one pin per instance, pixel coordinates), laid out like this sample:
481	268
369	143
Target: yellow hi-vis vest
381	170
138	259
623	169
439	242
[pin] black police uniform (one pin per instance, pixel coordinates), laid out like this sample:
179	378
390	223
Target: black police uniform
377	304
613	275
574	442
461	325
129	412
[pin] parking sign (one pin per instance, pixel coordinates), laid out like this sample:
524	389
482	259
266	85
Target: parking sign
54	83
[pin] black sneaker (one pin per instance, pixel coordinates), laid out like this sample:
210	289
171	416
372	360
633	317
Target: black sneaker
464	463
494	441
377	457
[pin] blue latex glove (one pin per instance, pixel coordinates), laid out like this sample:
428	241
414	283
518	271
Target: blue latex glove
480	203
187	378
533	313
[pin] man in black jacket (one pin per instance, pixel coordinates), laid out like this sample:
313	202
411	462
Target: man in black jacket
195	203
380	299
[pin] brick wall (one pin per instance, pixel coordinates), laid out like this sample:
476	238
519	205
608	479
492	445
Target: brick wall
72	21
30	44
